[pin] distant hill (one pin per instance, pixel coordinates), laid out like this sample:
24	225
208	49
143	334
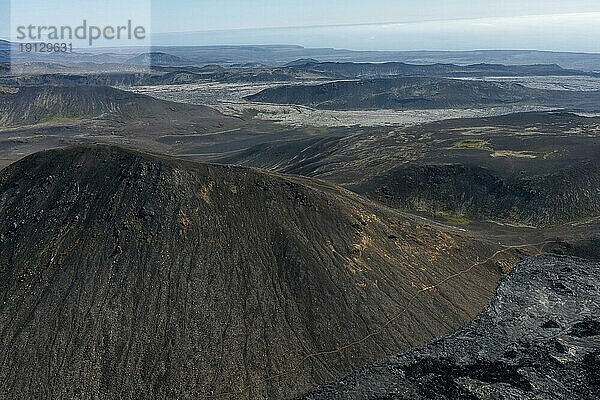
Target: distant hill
157	59
420	93
277	56
396	69
571	60
154	277
28	105
520	169
401	93
301	62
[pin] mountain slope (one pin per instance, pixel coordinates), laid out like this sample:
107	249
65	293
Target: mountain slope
129	275
564	196
538	339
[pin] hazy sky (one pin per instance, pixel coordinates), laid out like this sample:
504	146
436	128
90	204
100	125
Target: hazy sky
394	24
193	15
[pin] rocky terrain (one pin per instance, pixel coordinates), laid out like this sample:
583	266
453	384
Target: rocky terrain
538	339
389	203
124	274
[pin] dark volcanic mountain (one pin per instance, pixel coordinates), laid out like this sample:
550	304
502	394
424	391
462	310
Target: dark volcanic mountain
421	93
538	339
129	275
28	105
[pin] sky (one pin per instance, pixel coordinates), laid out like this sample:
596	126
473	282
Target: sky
362	25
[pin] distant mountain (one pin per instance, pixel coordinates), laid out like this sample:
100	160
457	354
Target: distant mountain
277	56
154	277
395	69
302	62
538	339
157	59
571	60
281	55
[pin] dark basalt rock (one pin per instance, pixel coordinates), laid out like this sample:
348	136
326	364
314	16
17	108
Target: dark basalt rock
532	342
586	329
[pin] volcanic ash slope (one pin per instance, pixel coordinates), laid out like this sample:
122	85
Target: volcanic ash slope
128	275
